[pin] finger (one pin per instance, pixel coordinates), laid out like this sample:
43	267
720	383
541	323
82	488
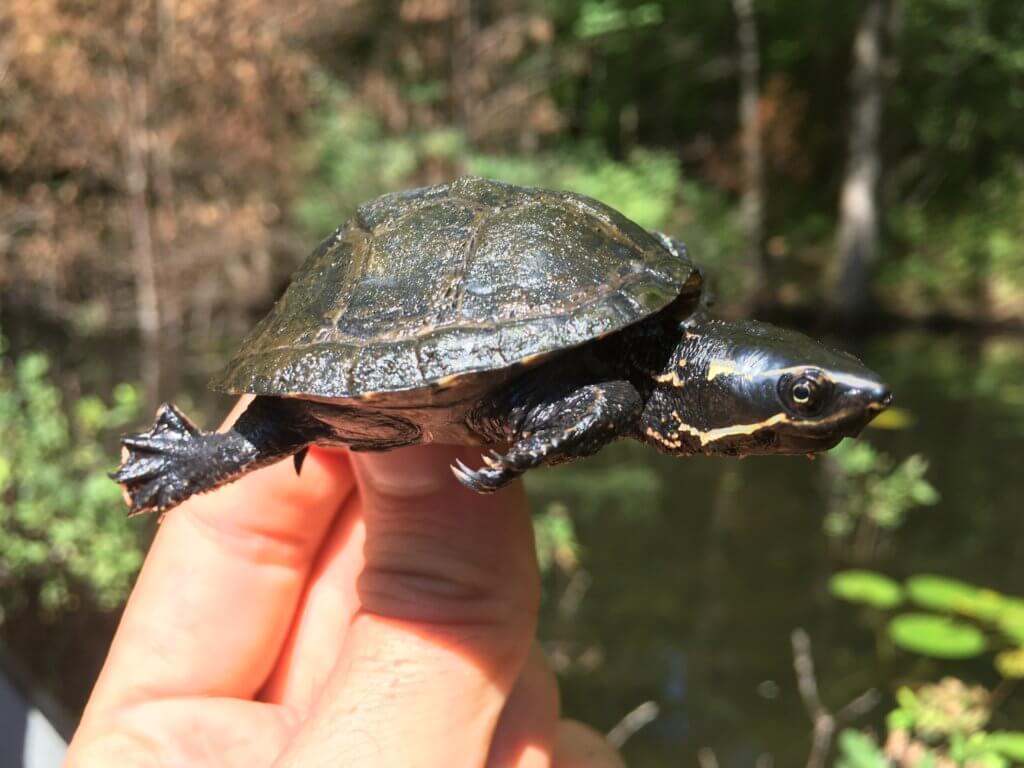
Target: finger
448	610
580	746
525	735
188	732
323	617
219	586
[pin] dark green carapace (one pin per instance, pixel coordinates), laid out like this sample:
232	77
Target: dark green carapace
541	325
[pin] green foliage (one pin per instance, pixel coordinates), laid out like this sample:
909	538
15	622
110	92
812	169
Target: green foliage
556	539
598	18
648	188
941	593
869	487
350	159
941	636
644	187
858	750
962	90
62	520
1009	744
938	724
946	709
937	636
969	264
874	589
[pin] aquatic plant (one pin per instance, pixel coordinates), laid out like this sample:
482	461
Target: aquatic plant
954	621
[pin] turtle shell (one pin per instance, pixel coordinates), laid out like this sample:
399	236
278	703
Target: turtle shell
422	287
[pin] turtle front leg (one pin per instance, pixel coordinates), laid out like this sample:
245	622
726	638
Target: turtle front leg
559	430
174	459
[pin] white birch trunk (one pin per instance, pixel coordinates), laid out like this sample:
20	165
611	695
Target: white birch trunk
857	246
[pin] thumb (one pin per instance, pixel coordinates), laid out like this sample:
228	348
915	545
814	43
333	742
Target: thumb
448	600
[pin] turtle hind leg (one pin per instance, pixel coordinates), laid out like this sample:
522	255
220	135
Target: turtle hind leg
174	459
553	432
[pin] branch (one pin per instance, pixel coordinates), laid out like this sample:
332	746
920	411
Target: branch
824	722
633	721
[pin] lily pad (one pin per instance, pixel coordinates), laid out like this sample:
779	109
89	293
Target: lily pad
937	636
941	593
1011	621
874	589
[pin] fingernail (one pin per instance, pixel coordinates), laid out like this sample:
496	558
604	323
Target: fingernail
414	471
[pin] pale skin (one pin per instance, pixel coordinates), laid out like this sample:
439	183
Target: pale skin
372	612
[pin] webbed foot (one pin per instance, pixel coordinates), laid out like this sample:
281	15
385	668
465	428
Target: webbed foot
174	459
151	467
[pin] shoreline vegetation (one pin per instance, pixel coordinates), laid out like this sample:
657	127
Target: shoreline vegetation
859	164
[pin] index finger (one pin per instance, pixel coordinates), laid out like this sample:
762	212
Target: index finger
216	595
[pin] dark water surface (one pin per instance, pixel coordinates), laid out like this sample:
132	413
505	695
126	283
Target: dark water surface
699	569
693	573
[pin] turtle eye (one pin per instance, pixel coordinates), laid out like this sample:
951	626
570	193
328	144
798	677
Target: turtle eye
805	394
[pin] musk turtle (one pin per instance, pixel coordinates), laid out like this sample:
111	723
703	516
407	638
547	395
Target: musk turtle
540	325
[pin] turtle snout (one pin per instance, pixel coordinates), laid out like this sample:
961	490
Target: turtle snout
879	397
885	397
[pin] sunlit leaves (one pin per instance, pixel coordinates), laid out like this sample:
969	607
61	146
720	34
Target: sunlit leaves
936	636
604	17
62	521
942	724
941	636
941	593
556	539
1010	744
858	750
867	587
870	488
644	187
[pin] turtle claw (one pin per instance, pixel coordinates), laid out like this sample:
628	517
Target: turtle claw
133	472
143	498
147	442
463	474
494	460
170	419
486	479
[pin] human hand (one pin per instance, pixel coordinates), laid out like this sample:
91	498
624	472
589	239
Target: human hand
370	613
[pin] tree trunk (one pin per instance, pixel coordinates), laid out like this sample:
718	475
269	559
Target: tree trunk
462	66
147	300
857	247
162	202
752	203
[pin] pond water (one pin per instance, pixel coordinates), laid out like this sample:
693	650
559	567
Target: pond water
693	573
697	571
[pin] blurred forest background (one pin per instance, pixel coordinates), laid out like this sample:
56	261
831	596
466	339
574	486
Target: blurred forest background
851	165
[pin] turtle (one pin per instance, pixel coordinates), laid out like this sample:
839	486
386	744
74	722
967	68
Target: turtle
540	325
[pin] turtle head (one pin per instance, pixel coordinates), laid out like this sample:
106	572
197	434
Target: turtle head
739	388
